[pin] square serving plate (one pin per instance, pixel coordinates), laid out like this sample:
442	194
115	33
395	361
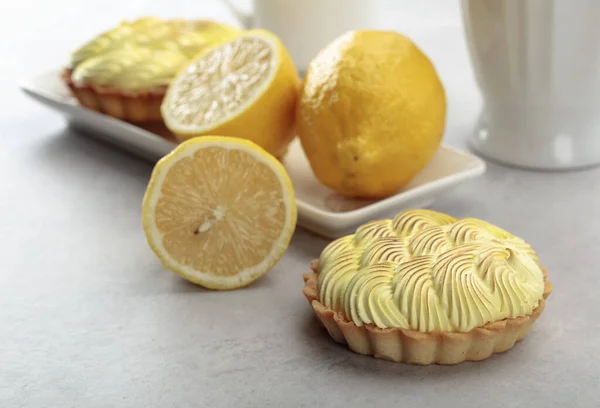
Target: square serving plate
320	209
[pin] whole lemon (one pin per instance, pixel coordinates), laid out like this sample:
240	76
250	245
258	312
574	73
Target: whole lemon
371	113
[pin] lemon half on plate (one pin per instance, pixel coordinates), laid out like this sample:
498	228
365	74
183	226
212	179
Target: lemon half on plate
244	88
219	211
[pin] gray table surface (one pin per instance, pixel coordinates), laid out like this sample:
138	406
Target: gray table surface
89	318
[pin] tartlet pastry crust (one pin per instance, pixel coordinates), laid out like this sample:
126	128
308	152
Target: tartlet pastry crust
135	106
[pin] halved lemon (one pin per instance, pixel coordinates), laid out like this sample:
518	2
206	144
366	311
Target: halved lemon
244	88
219	211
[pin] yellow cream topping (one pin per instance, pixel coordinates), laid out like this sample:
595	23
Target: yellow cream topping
146	52
112	39
130	69
428	271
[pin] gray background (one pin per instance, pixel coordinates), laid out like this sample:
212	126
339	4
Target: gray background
89	318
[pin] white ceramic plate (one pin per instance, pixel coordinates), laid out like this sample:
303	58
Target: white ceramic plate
319	209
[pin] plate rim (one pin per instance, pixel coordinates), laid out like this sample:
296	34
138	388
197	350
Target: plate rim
476	169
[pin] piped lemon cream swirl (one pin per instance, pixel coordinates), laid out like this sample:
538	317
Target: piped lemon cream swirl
427	271
145	53
130	69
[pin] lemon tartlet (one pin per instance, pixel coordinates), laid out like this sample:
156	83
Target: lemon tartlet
427	288
124	72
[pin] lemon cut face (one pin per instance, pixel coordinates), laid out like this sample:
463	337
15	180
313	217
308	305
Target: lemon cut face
245	88
219	85
219	211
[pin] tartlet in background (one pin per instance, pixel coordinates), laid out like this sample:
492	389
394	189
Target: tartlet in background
124	72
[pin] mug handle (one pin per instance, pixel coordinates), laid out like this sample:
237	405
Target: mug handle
245	19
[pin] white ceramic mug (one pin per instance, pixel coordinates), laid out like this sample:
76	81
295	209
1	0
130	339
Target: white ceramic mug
306	26
537	63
